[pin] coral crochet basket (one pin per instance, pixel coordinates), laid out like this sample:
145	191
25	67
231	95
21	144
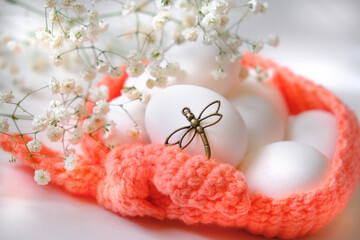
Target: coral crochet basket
163	182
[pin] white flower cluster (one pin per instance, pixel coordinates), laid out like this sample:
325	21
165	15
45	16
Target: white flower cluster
73	28
42	177
86	31
70	162
6	96
4	125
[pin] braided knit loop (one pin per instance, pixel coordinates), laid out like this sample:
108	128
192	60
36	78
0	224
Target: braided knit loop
163	182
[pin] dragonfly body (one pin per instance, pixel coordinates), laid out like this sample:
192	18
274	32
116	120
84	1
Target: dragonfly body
198	128
195	124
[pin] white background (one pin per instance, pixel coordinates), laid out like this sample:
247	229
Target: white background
319	40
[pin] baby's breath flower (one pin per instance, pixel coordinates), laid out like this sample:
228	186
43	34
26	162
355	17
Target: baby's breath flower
50	3
54	134
78	89
172	69
256	6
81	111
178	37
128	7
156	70
93	16
102	67
100	93
257	46
77	135
4	125
219	73
222	56
210	37
77	34
54	85
161	82
88	74
6	96
211	21
61	114
189	21
12	159
78	7
134	132
102	107
131	93
89	125
93	31
191	34
67	86
44	37
56	60
150	83
70	162
14	47
220	6
57	41
42	177
135	69
66	3
34	145
145	96
134	56
160	20
273	40
100	120
223	21
164	4
116	72
53	105
93	123
234	41
156	55
103	27
40	122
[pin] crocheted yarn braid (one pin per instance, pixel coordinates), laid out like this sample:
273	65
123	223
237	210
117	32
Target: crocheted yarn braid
163	182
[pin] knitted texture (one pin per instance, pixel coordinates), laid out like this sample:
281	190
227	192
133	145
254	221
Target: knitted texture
163	182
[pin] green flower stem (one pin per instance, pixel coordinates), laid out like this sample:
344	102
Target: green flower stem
23	139
16	117
21	100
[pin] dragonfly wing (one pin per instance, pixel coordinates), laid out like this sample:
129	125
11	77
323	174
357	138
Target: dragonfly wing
177	136
210	109
211	119
189	140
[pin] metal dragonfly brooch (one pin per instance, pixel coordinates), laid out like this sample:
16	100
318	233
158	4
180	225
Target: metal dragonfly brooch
195	125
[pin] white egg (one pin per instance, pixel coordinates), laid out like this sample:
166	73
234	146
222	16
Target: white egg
164	115
316	128
264	90
197	62
282	168
263	123
129	120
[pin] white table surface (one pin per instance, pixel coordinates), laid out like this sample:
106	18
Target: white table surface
319	40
